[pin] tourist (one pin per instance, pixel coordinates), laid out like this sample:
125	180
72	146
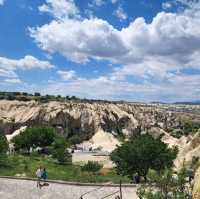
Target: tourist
38	175
136	178
44	175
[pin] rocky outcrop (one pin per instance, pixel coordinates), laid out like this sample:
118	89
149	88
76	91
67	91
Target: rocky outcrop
86	119
82	118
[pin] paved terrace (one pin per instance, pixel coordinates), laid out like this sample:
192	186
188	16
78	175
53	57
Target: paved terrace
26	189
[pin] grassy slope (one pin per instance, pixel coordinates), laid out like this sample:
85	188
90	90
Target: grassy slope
19	164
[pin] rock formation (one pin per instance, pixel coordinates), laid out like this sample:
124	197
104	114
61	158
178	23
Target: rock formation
92	121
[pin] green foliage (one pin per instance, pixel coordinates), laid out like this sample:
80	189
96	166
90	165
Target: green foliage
189	126
75	139
92	167
37	94
59	150
44	99
177	133
28	164
34	137
3	143
141	154
3	149
166	185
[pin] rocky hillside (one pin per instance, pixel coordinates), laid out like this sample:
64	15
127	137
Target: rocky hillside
101	123
86	119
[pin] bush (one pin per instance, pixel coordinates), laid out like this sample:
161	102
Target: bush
75	139
141	154
3	143
59	151
3	150
92	167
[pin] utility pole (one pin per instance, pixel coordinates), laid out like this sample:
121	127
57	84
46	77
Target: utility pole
120	189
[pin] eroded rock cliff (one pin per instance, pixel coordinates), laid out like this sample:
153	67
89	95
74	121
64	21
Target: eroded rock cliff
83	118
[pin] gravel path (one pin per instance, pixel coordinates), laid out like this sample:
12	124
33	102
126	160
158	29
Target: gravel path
23	189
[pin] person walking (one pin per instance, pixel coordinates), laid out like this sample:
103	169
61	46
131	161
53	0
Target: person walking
38	174
44	176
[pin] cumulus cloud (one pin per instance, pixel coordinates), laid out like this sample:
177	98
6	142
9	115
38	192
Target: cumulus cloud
60	8
120	13
2	2
158	50
12	81
7	73
170	36
67	75
9	67
114	1
80	40
26	63
99	2
166	5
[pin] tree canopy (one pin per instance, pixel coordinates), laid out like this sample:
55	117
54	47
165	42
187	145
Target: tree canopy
142	153
34	137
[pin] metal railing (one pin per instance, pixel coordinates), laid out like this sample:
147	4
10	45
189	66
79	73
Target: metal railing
93	190
111	194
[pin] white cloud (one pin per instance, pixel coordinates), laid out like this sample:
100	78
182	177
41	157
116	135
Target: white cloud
12	81
26	63
67	75
114	1
166	5
7	73
170	36
2	2
9	67
60	8
120	13
99	2
183	88
80	40
158	50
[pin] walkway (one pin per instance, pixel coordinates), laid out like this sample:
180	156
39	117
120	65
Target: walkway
24	189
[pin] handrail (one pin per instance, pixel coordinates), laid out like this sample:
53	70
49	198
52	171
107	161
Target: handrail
110	194
81	197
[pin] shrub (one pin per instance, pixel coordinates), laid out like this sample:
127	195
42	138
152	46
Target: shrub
75	139
59	151
92	167
3	150
3	143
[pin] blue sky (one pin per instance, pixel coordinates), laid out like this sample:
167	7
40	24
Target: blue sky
141	50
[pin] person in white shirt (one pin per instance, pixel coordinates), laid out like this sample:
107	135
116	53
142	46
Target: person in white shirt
38	174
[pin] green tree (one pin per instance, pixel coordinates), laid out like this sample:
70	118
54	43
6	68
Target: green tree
37	94
59	150
166	185
142	153
34	137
